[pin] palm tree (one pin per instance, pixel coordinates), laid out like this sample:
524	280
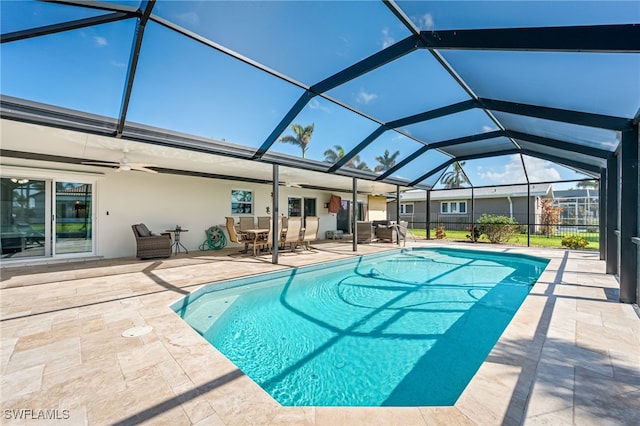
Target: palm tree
333	156
302	137
455	177
386	161
357	164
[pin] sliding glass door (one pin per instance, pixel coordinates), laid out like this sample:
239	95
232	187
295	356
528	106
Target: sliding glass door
73	218
44	218
23	218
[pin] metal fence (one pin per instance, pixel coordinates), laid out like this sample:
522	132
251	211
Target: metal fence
460	226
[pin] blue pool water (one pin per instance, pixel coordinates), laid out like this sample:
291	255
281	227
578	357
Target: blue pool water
408	328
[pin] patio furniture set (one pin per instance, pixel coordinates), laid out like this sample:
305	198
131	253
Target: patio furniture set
292	232
382	230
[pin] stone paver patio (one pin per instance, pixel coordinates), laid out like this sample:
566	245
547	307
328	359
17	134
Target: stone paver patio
571	355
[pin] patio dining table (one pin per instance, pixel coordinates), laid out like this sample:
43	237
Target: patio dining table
256	236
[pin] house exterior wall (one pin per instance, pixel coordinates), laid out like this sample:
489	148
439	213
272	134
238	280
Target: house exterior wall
194	203
162	201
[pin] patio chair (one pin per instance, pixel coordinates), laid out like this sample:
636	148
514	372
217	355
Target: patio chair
150	245
312	224
385	231
235	236
366	232
292	236
247	222
264	222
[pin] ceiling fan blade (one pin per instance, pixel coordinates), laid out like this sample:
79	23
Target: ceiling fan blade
290	185
142	169
142	165
98	163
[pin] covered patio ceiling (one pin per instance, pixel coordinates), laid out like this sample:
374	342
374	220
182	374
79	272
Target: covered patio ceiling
397	92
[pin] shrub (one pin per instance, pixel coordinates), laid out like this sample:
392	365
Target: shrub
473	233
498	229
574	242
440	234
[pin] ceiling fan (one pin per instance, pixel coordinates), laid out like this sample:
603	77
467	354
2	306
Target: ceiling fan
124	164
287	183
291	184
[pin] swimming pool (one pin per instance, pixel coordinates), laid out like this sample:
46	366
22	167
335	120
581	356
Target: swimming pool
406	328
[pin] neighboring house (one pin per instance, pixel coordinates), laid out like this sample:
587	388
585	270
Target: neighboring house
454	208
579	206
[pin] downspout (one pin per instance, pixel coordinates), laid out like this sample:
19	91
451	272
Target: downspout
510	206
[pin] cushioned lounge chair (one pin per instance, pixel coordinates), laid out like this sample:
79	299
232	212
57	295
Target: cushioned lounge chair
385	232
150	245
366	232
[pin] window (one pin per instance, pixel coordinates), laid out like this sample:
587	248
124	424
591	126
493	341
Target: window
309	207
241	202
301	207
361	212
406	209
453	207
295	207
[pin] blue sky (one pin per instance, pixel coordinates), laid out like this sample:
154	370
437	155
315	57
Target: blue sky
185	86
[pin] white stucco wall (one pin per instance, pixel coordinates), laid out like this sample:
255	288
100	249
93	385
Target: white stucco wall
162	201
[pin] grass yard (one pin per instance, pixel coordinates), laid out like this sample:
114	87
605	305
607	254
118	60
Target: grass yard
519	239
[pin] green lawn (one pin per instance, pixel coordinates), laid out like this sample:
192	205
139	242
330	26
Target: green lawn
519	239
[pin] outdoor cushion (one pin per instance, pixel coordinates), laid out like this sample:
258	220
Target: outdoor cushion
142	230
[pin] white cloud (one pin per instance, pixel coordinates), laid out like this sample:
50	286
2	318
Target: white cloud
100	41
486	129
540	170
364	97
387	40
314	104
425	22
189	18
399	137
537	171
346	47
